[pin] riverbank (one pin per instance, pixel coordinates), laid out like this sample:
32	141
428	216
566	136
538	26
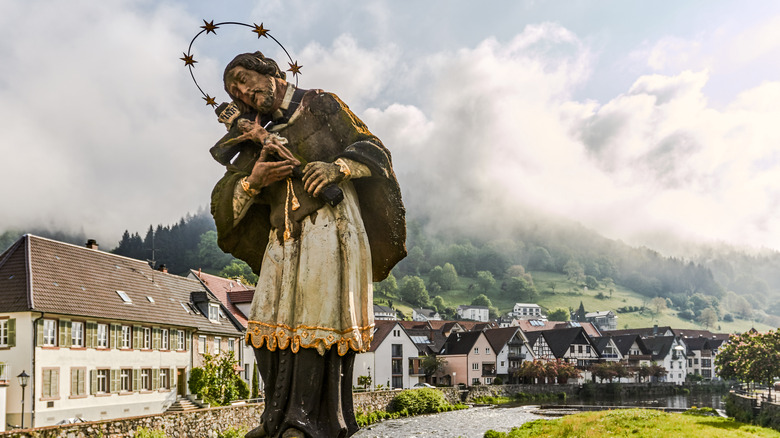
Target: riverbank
639	423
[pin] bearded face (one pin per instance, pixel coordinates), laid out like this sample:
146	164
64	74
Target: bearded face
252	88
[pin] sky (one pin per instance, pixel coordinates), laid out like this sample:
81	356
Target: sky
640	120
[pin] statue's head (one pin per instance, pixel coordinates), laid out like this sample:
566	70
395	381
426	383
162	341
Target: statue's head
249	81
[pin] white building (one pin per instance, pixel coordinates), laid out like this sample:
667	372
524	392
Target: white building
102	336
423	315
393	361
474	313
527	311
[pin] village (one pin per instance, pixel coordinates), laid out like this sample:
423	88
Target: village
87	335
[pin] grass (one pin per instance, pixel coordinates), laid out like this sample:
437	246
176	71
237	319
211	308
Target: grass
639	423
568	295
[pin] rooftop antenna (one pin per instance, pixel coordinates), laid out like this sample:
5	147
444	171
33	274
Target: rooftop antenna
152	262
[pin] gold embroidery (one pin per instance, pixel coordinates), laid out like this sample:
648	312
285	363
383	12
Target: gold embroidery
281	336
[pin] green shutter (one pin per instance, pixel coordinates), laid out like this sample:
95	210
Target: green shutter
39	334
46	390
138	336
91	335
55	383
136	379
12	332
174	340
155	379
65	340
82	382
189	341
93	382
114	339
114	380
74	381
156	338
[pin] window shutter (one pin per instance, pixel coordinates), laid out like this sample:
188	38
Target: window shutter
136	379
155	379
93	382
114	380
174	340
114	340
55	383
189	341
74	381
91	337
12	332
39	334
156	338
138	335
65	340
82	383
46	390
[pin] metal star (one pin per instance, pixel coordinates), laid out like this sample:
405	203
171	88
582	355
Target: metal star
260	30
188	60
295	68
209	26
210	100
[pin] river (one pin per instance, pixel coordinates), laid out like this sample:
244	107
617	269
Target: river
474	422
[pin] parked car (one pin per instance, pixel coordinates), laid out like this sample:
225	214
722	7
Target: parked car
423	385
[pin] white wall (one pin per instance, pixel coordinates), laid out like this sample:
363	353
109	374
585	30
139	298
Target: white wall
18	358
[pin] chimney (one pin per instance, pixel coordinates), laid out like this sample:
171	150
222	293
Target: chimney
163	268
655	329
92	244
200	272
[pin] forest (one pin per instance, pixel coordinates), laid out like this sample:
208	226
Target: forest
727	281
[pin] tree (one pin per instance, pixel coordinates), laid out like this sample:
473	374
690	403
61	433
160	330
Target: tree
579	315
750	357
519	289
433	365
218	382
658	304
540	260
449	277
482	300
438	304
485	280
558	314
574	271
413	291
255	383
551	286
239	270
388	286
591	282
209	253
708	317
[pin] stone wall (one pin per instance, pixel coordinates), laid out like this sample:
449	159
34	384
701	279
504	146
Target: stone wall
511	390
380	400
200	423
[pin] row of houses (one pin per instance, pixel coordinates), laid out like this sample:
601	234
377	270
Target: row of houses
477	353
104	336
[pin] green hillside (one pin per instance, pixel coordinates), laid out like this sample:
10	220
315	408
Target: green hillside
555	290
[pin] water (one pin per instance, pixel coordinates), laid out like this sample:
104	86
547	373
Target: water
474	422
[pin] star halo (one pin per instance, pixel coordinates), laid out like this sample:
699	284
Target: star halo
209	27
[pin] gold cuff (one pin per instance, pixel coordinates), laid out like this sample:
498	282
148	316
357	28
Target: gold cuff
247	188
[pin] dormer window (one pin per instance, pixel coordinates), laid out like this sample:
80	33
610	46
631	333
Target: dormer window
213	312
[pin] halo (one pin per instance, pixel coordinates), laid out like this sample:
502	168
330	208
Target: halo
210	27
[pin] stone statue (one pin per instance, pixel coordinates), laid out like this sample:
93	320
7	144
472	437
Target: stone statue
310	201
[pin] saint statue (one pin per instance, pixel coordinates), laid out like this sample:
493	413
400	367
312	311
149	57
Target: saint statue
310	201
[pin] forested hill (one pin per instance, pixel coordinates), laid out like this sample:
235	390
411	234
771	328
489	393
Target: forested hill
726	280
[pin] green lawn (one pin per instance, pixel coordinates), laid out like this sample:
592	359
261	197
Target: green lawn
568	295
639	423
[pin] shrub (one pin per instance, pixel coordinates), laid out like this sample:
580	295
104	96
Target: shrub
147	433
232	432
419	401
498	381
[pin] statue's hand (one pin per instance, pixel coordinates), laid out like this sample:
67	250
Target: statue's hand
319	174
265	173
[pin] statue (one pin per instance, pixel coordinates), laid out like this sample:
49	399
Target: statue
310	201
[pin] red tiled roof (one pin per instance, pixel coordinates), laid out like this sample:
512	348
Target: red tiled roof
382	328
227	291
43	275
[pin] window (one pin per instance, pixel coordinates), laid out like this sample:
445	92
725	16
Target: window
213	312
124	296
51	383
397	366
147	338
232	345
579	349
217	345
127	337
502	363
101	382
475	381
587	349
398	382
476	350
487	350
126	380
201	344
77	335
164	344
475	366
49	333
488	380
396	333
165	380
696	360
397	350
571	349
180	341
78	385
706	363
8	332
102	336
146	379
